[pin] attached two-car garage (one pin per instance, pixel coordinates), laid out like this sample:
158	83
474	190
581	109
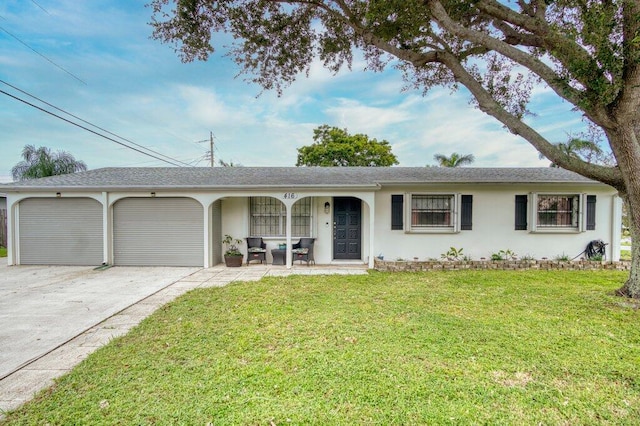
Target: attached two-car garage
146	231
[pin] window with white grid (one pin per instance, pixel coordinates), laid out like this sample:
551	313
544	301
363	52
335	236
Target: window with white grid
268	217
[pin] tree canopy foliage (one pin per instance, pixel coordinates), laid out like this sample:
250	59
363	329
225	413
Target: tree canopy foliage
42	162
587	52
336	147
454	160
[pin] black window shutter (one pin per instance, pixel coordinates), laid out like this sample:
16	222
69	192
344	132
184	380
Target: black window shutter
396	212
521	212
591	212
466	213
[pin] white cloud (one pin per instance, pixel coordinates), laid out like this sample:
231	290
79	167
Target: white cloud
361	118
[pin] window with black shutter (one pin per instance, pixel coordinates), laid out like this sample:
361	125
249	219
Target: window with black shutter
521	212
591	212
396	212
433	211
466	213
555	211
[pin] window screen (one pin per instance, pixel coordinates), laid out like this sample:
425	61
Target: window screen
431	211
558	211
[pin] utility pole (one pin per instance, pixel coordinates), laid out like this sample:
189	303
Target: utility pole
211	146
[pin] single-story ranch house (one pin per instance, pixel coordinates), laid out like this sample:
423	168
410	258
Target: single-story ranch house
179	216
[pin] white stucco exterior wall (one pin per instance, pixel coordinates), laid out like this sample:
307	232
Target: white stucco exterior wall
494	225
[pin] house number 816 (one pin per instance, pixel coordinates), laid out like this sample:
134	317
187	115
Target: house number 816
290	195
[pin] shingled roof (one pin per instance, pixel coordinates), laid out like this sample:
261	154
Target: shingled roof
280	177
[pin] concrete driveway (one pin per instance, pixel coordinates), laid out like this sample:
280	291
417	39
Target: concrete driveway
42	307
52	317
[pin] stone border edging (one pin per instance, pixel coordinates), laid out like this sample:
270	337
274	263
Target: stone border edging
506	265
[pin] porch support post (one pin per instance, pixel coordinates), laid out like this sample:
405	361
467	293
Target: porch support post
289	206
208	220
106	230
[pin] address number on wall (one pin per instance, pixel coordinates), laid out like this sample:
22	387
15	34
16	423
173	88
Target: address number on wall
290	195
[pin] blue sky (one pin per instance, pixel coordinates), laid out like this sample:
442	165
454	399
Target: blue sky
138	88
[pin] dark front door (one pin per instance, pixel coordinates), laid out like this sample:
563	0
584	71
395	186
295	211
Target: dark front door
347	227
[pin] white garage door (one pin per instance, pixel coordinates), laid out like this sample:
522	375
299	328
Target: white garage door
60	231
158	232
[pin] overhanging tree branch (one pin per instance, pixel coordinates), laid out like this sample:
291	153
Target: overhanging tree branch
488	104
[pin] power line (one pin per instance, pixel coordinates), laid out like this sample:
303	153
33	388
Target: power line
45	10
91	124
198	160
86	128
40	54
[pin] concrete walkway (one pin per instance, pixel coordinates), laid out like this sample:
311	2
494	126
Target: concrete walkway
39	372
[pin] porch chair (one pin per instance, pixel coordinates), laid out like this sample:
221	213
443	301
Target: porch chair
303	250
256	249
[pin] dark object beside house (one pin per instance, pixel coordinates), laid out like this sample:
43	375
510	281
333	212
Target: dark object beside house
279	256
596	249
256	249
303	250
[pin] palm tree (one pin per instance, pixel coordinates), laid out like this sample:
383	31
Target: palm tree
586	150
455	160
41	162
229	164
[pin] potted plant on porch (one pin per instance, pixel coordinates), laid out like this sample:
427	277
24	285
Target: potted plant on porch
232	256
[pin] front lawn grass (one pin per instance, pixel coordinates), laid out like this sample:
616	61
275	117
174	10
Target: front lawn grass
3	252
465	347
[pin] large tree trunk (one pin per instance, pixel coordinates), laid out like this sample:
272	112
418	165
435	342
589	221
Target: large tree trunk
624	143
631	288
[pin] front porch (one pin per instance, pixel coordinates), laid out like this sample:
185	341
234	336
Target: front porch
339	224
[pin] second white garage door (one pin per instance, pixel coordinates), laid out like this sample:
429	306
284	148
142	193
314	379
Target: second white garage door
158	232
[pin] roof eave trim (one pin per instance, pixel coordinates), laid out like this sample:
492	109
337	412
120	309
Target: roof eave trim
559	182
141	188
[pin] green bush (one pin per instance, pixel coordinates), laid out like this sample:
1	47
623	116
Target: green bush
504	255
453	254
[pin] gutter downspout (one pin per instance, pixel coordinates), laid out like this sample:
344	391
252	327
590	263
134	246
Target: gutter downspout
11	235
616	227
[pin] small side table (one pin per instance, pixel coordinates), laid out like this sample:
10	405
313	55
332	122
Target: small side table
279	256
